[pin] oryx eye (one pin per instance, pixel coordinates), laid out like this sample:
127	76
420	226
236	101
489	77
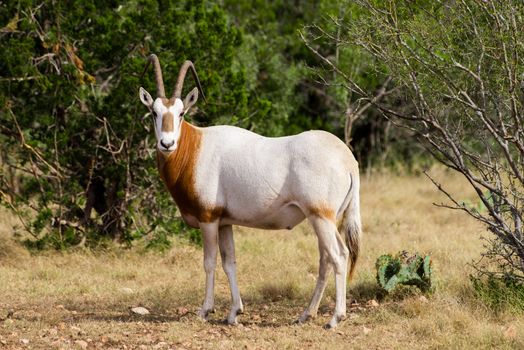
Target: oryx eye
154	113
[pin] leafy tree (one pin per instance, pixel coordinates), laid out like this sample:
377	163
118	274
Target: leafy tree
273	57
339	59
457	69
282	69
71	126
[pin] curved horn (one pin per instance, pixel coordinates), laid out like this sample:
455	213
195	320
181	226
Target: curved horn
158	74
181	77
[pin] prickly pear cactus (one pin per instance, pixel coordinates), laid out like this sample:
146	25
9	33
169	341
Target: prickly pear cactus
401	269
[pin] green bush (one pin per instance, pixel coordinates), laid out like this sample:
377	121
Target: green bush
499	294
77	161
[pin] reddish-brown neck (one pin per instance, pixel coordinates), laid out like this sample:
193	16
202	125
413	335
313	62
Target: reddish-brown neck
177	169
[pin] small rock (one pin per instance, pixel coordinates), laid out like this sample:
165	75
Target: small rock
140	310
126	290
24	341
353	316
372	303
76	329
182	310
366	330
82	344
423	299
510	332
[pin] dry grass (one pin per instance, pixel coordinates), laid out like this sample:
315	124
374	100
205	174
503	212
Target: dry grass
55	300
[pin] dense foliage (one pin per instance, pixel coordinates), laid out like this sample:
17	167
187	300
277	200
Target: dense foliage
73	133
77	159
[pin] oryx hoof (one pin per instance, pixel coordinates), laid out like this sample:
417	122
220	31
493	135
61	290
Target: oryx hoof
304	318
232	321
232	318
203	314
334	321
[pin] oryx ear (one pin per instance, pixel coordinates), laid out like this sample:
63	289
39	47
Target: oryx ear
146	98
190	99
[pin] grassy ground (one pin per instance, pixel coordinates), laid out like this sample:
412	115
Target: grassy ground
83	299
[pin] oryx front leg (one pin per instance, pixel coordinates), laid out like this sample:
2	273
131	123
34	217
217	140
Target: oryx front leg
337	253
227	254
210	239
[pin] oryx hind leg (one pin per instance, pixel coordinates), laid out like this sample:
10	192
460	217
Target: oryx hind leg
323	272
333	247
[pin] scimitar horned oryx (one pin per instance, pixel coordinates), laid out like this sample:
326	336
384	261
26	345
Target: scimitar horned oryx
221	176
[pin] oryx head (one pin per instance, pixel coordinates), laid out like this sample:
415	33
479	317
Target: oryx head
168	114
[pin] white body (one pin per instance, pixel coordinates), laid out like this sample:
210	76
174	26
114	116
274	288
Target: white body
271	183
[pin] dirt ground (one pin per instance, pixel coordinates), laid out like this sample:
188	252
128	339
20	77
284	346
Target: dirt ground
83	299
